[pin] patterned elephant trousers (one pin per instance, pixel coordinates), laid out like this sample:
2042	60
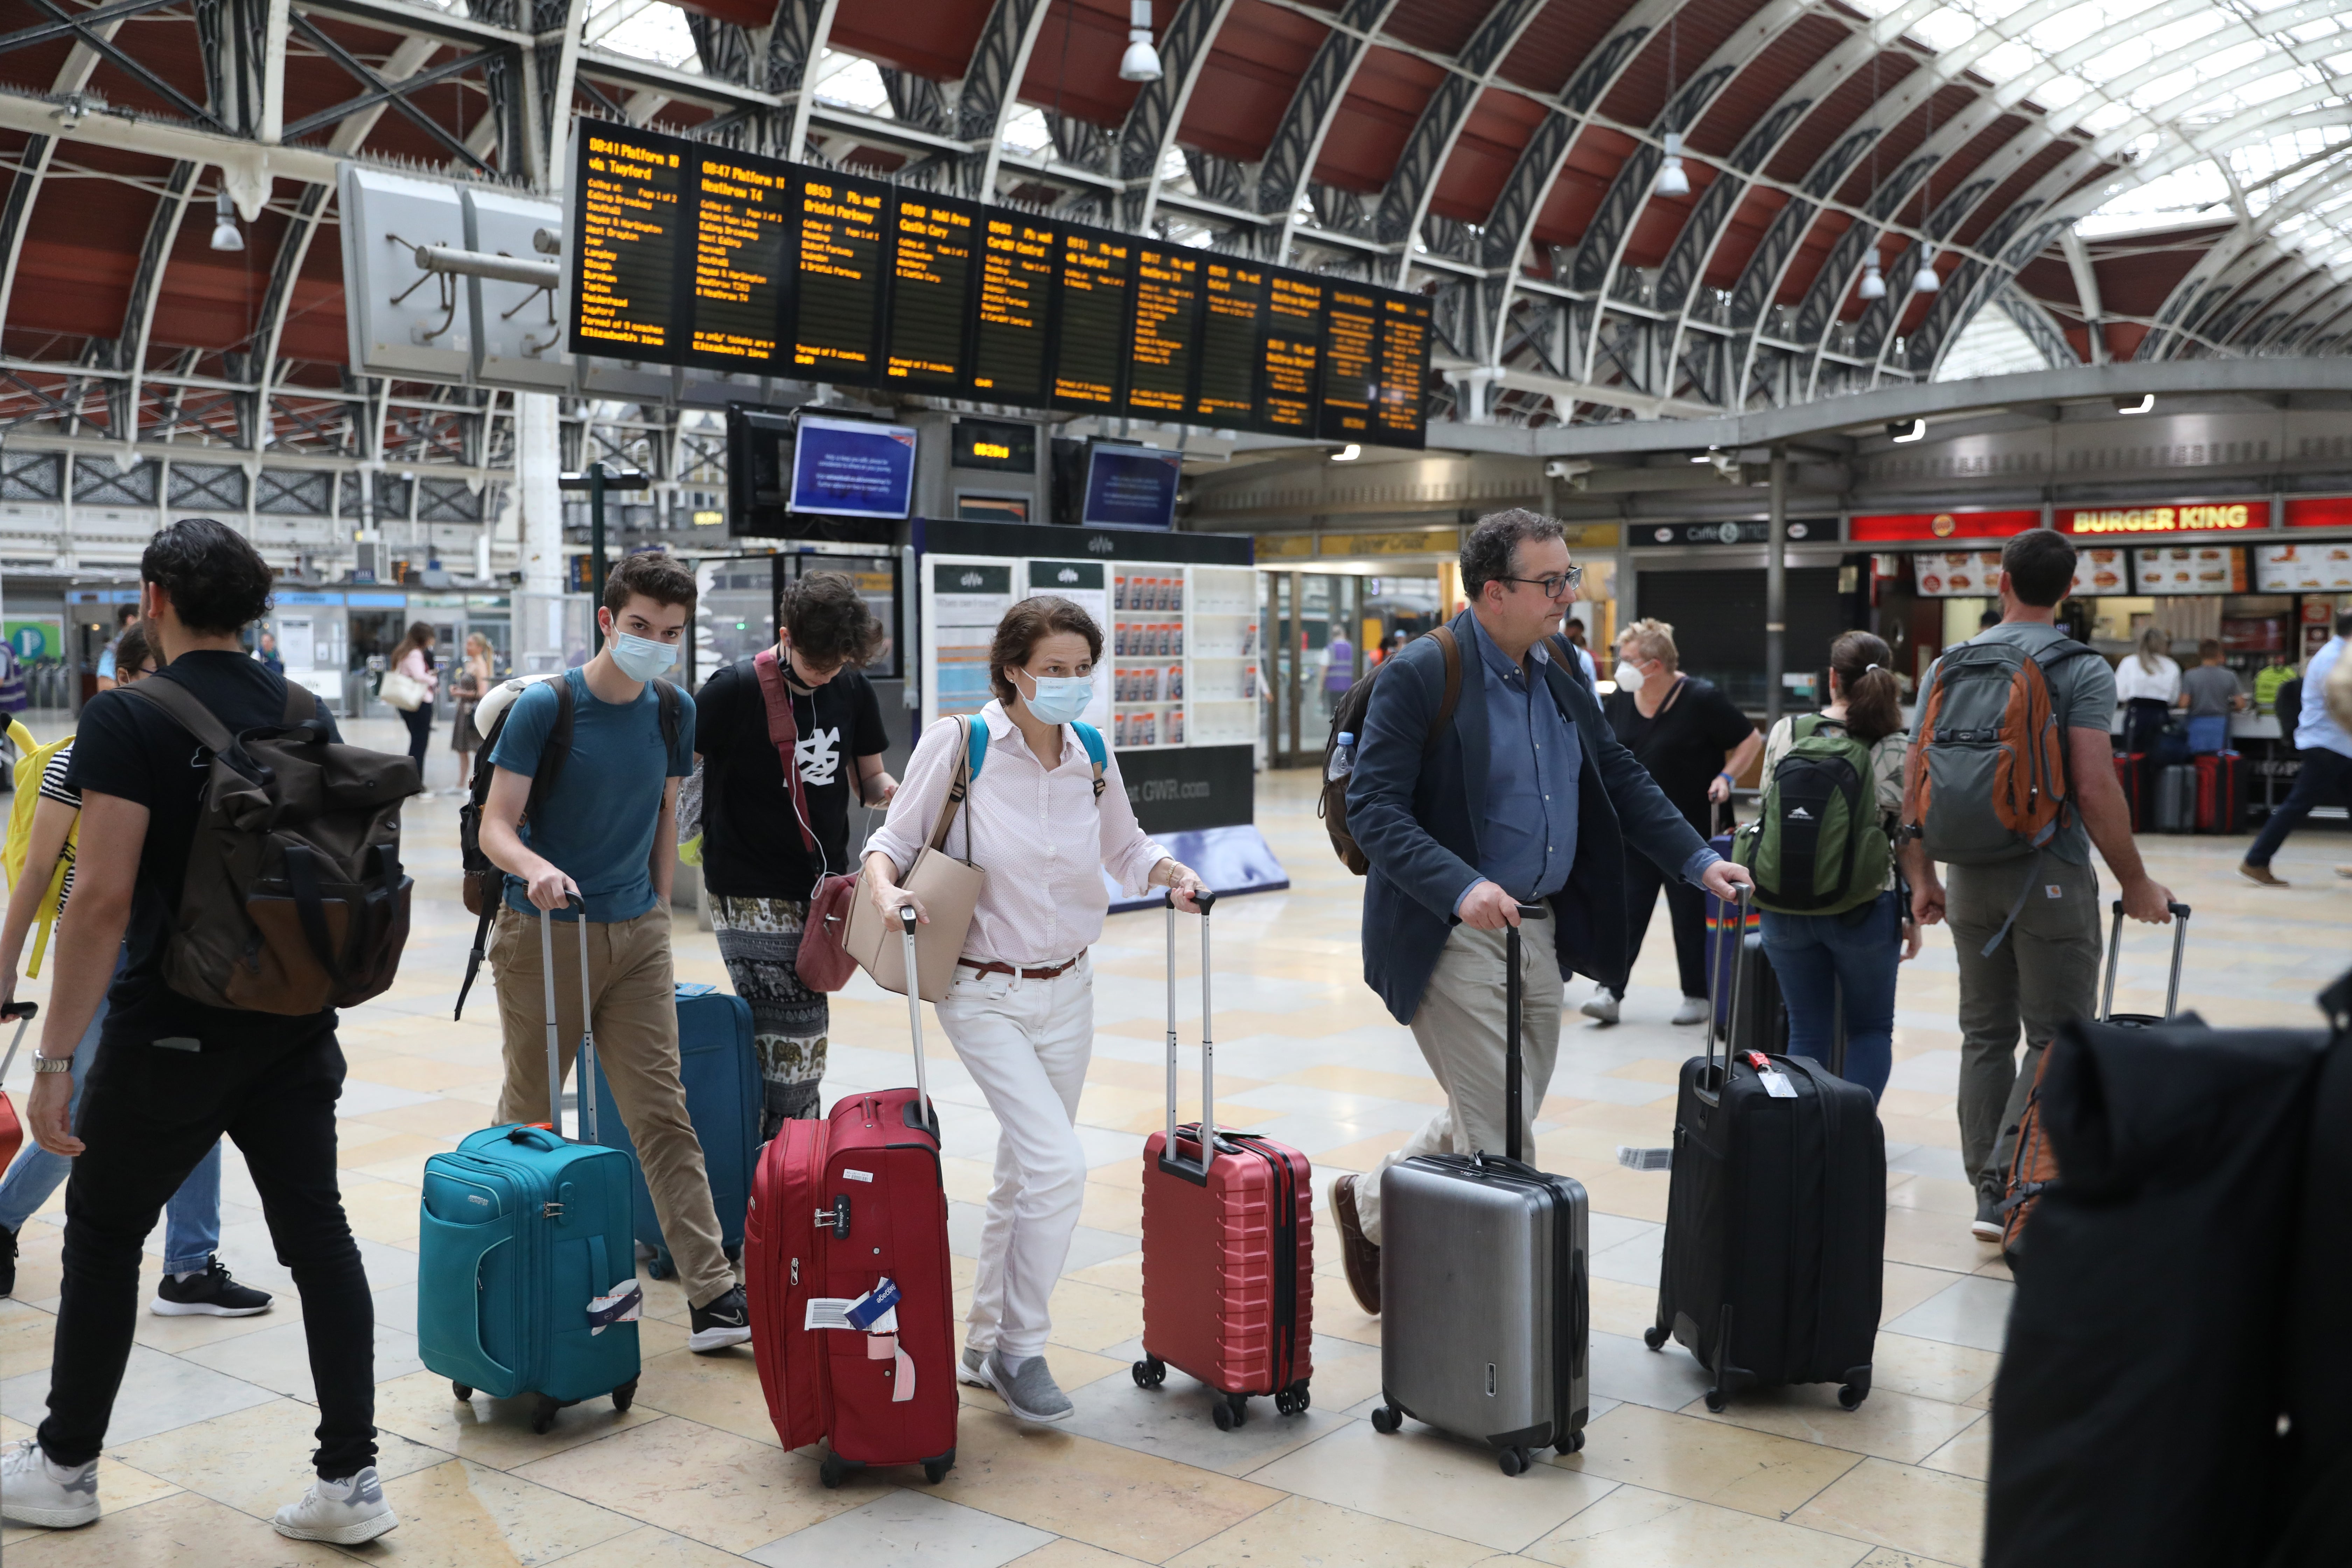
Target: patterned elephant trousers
759	939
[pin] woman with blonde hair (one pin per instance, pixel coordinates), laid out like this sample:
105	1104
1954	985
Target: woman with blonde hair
2147	683
474	677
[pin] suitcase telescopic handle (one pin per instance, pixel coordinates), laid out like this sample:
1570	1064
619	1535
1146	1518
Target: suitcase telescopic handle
1514	1006
2179	913
23	1012
1204	901
587	1024
1726	1020
914	1013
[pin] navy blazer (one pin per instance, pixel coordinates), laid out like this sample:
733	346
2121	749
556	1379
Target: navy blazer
1416	819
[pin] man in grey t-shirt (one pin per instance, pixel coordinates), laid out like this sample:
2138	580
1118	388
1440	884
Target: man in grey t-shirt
2045	969
2211	693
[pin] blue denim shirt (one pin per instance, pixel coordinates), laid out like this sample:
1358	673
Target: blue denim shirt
1527	839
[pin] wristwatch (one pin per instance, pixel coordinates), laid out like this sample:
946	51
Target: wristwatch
53	1064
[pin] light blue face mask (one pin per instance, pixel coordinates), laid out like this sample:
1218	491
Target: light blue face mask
1061	698
642	659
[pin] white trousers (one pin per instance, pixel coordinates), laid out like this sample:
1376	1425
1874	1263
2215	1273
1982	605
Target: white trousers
1026	1044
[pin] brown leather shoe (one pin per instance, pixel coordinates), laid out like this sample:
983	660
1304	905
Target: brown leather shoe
2261	874
1361	1258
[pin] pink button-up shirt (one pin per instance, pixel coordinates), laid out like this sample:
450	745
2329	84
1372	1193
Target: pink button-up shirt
1041	837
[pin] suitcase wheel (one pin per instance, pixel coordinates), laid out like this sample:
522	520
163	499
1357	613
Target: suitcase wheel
461	1391
1230	1412
833	1470
1514	1461
1715	1400
660	1267
1857	1387
1150	1372
935	1471
735	1253
1654	1336
1850	1397
1385	1419
542	1415
1294	1400
625	1396
1573	1443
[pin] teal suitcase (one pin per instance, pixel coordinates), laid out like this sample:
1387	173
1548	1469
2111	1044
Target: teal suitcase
525	1270
721	1073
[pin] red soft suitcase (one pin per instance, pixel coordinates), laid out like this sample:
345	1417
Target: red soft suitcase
2222	792
1228	1249
838	1207
12	1130
2131	772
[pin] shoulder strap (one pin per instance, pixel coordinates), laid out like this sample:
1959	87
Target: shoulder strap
553	751
975	747
1451	647
301	704
186	710
1805	726
784	734
1091	738
972	739
672	713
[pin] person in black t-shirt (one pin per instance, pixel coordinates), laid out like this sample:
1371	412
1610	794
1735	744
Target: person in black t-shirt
172	1075
1695	742
766	840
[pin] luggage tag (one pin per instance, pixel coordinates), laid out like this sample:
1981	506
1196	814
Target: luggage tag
866	1313
1776	1082
625	1305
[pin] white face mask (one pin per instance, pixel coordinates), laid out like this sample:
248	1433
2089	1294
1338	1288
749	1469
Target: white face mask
1629	677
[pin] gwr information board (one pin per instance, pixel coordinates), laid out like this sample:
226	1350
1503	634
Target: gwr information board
685	253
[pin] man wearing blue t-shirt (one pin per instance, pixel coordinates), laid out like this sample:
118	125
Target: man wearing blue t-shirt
606	832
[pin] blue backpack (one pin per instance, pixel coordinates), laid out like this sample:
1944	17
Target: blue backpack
976	745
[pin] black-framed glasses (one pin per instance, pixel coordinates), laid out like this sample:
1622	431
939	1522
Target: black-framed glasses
1555	585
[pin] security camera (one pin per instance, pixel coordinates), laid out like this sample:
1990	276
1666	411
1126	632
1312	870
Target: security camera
1565	469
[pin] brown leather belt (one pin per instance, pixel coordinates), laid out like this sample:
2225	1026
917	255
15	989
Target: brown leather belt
994	968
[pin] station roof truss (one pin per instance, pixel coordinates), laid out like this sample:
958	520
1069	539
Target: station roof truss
2088	181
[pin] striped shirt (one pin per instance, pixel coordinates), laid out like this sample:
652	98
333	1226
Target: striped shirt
53	787
1043	838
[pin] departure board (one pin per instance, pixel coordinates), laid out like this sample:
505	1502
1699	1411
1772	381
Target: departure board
687	252
1090	340
1235	293
1016	291
1167	327
1404	361
840	260
742	225
1351	367
625	232
930	273
1292	352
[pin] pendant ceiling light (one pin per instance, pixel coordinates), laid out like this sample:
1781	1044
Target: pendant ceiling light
225	231
1874	285
1142	61
1672	180
1925	280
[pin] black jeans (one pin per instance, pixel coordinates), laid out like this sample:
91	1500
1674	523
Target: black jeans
148	1113
420	730
1686	912
2325	779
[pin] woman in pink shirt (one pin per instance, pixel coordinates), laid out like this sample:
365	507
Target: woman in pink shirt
1020	1012
414	659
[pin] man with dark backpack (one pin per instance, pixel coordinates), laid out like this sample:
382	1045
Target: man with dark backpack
605	834
224	1020
2009	780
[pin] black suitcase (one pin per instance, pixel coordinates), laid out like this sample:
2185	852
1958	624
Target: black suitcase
1776	1222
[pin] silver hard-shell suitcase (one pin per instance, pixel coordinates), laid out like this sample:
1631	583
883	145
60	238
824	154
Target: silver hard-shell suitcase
1485	1321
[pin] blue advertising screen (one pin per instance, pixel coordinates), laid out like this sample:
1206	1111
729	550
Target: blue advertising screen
852	468
1131	486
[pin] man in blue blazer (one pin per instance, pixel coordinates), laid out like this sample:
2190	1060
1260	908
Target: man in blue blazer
1523	796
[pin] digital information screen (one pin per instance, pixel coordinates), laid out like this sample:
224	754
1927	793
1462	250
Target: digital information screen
1167	325
741	227
1000	446
840	277
853	468
625	279
930	273
689	253
1091	337
1017	284
1131	486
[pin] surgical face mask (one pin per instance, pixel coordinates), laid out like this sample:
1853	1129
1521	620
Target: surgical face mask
642	659
1060	699
1628	676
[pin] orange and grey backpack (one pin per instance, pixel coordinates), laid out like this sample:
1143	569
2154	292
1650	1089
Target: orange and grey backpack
1991	782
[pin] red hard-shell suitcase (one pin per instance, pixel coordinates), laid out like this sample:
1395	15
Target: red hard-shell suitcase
837	1209
1228	1255
2131	772
2222	792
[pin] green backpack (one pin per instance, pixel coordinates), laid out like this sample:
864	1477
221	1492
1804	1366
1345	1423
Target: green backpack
1816	847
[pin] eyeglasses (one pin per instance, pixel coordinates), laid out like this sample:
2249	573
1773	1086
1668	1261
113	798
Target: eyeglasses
1557	584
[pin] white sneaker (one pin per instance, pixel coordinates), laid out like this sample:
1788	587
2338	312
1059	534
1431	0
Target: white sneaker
974	1371
35	1492
344	1512
1602	1007
1693	1010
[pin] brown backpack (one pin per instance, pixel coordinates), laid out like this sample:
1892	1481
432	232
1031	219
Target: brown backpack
295	900
1350	720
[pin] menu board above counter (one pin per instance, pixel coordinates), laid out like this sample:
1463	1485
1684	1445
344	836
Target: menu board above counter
690	253
2189	569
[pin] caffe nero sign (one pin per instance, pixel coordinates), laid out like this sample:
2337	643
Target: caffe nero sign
1799	530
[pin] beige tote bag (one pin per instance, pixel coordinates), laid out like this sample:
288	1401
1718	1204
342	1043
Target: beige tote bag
948	889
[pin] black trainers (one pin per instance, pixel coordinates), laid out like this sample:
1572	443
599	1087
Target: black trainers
724	1321
7	1261
212	1294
